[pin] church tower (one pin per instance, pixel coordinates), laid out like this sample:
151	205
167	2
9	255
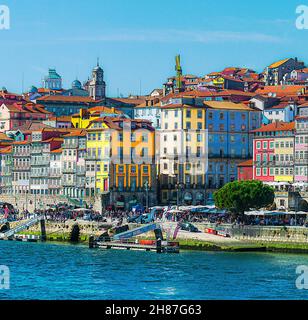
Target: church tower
97	86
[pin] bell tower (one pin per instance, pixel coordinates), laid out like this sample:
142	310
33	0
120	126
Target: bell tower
97	85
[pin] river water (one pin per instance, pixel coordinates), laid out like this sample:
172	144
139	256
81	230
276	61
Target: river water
56	271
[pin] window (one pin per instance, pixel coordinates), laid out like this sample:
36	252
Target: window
188	113
188	125
258	145
199	114
264	144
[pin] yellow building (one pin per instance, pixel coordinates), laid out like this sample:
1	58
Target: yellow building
98	157
133	168
284	157
83	119
120	160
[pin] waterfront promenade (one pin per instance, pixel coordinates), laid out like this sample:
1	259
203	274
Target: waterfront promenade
241	238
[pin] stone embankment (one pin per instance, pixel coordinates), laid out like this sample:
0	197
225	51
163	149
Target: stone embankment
248	238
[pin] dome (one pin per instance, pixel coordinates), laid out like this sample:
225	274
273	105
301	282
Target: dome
33	89
76	84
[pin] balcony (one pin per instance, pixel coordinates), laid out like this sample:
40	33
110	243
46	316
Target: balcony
284	163
66	145
52	186
55	175
81	172
21	168
38	174
36	151
40	163
21	154
92	157
301	161
69	170
68	183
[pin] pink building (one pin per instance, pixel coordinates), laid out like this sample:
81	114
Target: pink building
245	170
13	116
263	156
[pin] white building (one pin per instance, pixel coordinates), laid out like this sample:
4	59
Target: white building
285	112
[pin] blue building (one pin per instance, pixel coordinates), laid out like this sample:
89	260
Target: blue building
230	140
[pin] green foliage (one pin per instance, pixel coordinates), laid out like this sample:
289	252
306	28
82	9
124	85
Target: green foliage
240	196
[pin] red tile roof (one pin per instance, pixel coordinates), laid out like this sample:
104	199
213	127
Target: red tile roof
248	163
276	126
58	98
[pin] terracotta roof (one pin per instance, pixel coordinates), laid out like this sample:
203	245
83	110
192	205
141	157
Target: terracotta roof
104	109
278	63
61	119
21	142
227	105
276	126
282	90
56	151
6	150
53	139
34	125
76	133
76	99
248	163
135	101
4	137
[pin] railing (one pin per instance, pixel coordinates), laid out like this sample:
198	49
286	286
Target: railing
24	226
69	145
22	154
38	174
69	170
40	163
21	168
301	161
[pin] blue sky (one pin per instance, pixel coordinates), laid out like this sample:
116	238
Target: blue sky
137	40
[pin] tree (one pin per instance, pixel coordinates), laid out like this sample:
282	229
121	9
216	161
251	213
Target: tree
241	196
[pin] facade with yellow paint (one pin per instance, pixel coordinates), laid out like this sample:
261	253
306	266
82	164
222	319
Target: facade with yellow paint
133	169
284	157
83	119
120	161
98	158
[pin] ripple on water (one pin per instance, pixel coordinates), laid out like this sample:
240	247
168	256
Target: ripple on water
56	271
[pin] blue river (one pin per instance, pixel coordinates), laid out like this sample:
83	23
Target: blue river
52	271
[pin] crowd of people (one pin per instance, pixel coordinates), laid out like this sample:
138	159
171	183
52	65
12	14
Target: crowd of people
63	212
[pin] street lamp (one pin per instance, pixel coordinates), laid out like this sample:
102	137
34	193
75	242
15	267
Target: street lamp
146	186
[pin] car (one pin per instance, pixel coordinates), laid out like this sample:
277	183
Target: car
186	226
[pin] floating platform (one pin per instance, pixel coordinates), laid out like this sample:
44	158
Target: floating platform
166	247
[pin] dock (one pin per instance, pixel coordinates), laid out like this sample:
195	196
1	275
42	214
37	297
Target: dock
164	247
